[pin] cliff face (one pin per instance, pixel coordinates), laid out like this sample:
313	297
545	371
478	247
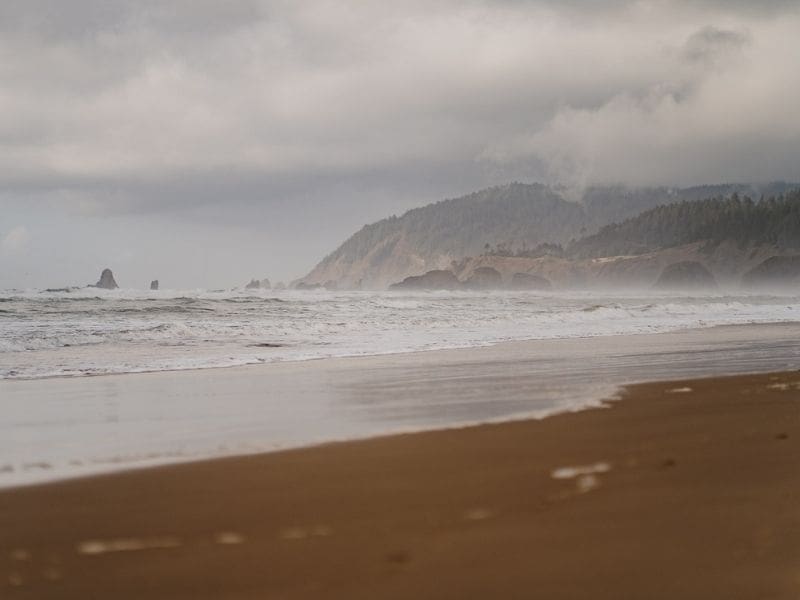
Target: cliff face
432	280
686	275
431	237
387	261
727	262
515	215
774	272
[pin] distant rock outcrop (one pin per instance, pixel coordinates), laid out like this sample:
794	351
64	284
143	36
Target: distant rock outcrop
529	281
687	274
307	286
154	284
258	284
484	278
432	280
777	271
106	281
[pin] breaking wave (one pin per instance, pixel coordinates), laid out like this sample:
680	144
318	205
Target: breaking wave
80	332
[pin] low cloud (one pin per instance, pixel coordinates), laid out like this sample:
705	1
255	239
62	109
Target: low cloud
711	44
15	240
270	115
720	110
108	93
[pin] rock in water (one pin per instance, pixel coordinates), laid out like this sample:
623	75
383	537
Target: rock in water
154	284
776	271
687	274
484	278
256	284
432	280
106	280
529	281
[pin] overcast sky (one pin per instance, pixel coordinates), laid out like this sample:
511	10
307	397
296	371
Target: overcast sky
206	142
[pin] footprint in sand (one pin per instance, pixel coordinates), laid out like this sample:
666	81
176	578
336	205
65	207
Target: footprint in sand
301	533
586	483
294	533
228	538
398	557
20	554
478	514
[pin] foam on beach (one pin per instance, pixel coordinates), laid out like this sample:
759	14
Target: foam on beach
132	544
572	472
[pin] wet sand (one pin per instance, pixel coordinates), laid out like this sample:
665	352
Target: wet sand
56	428
686	489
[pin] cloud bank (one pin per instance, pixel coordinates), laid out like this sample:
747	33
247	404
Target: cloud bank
285	109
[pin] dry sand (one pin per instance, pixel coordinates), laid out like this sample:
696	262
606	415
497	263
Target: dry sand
680	490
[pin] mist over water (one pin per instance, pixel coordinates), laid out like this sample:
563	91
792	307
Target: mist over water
91	331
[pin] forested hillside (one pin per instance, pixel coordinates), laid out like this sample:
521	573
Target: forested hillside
773	221
461	226
512	217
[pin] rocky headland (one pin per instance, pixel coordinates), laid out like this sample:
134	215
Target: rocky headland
533	221
685	242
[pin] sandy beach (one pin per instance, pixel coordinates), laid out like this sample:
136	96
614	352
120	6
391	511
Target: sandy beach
685	489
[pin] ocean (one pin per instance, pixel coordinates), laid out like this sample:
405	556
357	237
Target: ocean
93	332
94	381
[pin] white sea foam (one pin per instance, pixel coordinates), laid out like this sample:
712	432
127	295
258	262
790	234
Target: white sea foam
577	471
94	547
90	331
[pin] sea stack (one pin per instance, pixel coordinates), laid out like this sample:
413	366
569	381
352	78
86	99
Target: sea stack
258	284
154	284
106	280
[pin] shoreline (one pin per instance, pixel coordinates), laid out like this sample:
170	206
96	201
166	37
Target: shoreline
680	489
122	424
602	401
346	357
